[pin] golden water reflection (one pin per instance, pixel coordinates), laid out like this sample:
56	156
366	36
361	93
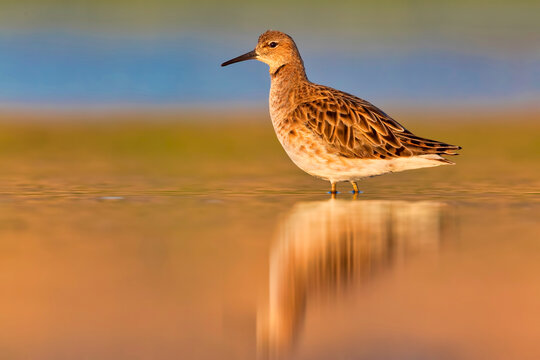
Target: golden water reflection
324	248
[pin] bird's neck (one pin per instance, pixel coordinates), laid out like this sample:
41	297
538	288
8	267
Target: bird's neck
286	81
289	73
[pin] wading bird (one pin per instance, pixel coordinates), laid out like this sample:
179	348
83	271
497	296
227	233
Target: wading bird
331	134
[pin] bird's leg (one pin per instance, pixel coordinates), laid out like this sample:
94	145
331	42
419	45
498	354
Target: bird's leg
355	191
333	191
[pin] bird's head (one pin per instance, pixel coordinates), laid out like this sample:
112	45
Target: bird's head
273	48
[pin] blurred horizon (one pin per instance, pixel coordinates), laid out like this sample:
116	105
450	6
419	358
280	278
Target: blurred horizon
83	55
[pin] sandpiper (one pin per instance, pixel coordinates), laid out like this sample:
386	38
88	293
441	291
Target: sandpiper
331	134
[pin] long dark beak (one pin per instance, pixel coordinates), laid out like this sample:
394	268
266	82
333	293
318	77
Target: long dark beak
248	56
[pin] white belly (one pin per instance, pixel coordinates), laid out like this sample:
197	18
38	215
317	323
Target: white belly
336	168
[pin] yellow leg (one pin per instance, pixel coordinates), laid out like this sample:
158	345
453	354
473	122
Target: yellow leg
355	188
333	191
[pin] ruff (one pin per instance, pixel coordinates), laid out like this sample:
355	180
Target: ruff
333	135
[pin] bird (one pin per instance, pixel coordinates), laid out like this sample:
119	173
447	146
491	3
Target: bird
331	134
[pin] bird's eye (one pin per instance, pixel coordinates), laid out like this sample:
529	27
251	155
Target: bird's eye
273	44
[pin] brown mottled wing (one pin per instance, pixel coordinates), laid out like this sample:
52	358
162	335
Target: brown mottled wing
354	128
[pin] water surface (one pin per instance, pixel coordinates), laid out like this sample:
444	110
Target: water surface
202	241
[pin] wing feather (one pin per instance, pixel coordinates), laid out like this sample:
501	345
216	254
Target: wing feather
354	128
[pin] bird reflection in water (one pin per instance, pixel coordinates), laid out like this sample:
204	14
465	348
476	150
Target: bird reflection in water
323	248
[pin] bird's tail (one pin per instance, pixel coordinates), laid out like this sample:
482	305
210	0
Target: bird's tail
422	146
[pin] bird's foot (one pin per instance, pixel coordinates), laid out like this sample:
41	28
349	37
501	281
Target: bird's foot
333	189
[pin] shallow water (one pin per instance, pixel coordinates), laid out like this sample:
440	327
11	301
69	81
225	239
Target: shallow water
137	241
